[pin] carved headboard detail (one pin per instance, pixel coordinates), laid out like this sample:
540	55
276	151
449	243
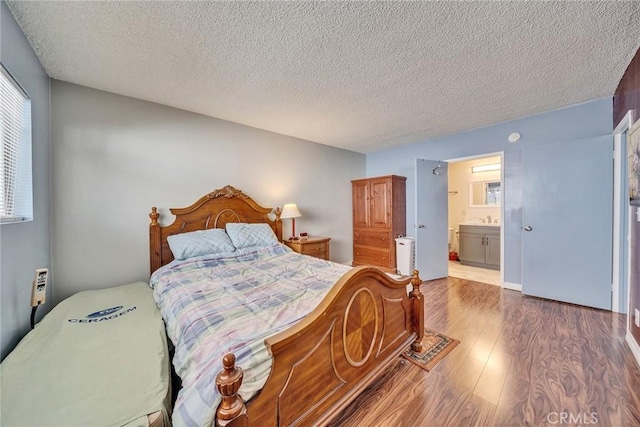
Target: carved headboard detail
213	210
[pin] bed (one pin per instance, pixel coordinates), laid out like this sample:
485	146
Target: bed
317	363
99	358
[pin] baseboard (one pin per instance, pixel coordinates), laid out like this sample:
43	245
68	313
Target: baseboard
512	286
633	345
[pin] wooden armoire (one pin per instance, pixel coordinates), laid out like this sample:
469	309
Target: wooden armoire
379	216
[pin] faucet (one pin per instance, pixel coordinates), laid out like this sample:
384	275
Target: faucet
489	219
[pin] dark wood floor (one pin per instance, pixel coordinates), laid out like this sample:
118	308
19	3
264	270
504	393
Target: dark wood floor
521	361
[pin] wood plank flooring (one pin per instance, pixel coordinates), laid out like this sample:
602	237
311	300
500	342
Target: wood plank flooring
521	362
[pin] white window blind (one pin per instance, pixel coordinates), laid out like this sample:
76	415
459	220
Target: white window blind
15	158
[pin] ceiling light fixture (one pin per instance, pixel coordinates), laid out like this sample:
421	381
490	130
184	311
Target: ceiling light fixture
485	168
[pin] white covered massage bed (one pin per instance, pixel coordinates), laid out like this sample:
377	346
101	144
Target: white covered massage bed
99	358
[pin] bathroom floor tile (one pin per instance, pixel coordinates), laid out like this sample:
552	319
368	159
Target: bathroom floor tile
476	274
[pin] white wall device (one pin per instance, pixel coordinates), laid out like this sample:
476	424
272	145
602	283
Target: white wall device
39	289
514	137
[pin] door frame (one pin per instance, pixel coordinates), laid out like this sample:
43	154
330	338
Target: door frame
618	228
500	154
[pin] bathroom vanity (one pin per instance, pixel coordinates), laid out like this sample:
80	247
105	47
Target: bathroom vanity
480	245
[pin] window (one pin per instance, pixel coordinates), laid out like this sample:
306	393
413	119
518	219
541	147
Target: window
16	198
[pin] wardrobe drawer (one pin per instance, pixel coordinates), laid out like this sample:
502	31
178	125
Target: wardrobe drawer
372	256
377	238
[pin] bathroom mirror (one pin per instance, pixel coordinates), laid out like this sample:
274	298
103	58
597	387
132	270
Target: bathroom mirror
484	193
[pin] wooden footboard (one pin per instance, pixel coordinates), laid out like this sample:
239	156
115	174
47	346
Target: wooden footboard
322	363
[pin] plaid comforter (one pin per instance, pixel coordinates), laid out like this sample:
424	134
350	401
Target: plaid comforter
230	303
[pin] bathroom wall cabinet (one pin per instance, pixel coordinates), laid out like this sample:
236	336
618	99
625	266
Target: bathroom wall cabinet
480	246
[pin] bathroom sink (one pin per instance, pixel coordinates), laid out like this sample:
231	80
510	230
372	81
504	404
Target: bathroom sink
479	223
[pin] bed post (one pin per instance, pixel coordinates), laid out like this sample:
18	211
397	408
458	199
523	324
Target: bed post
154	241
418	311
278	212
232	411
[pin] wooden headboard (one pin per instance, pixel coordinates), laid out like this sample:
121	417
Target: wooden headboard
213	210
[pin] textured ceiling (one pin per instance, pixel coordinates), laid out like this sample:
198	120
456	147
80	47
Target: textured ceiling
358	75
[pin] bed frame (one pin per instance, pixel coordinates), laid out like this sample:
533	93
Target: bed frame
324	361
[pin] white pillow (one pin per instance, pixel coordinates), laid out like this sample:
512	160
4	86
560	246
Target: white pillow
251	235
201	242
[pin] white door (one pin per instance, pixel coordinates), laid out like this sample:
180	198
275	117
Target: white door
567	221
432	213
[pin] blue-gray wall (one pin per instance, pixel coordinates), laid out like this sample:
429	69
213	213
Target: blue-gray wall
25	246
114	157
577	122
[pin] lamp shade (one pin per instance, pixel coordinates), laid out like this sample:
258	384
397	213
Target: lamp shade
290	210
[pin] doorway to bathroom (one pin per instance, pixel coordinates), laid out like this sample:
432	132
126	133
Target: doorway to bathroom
475	213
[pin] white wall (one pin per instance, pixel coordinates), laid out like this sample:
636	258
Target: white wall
115	157
25	246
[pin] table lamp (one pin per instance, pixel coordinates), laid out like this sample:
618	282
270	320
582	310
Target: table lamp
290	210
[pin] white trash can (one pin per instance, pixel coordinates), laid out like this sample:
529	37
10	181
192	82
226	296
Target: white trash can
405	255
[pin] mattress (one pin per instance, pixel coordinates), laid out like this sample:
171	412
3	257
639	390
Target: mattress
99	358
213	305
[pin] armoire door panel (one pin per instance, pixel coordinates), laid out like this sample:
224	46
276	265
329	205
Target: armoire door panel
380	202
361	204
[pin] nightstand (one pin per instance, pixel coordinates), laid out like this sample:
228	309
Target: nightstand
315	246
